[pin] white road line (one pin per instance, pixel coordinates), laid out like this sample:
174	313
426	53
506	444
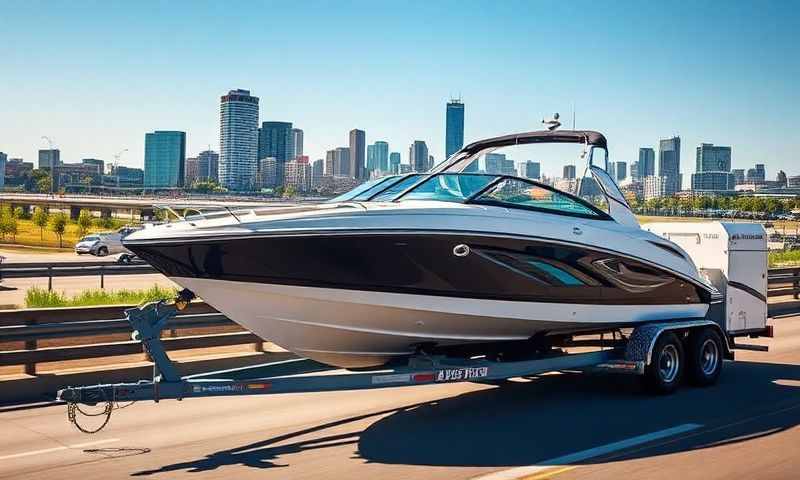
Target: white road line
515	473
57	449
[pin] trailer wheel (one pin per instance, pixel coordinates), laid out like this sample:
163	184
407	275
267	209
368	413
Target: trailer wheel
663	375
704	357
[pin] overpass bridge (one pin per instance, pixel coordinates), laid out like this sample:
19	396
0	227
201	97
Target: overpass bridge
129	207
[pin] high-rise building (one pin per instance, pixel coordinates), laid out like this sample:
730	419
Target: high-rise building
297	142
647	162
622	171
719	181
342	163
494	163
394	162
509	167
358	146
298	174
669	164
612	169
454	127
635	171
757	175
378	157
654	187
164	159
418	156
781	178
275	140
533	170
98	164
738	176
3	160
711	158
330	163
317	172
208	166
49	158
430	162
267	176
569	172
238	139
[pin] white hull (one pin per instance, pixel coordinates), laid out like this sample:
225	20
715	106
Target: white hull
353	328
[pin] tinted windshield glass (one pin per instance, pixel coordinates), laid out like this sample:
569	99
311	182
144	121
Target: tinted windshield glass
363	188
396	189
512	192
451	187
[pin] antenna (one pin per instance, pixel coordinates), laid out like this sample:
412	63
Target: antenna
573	115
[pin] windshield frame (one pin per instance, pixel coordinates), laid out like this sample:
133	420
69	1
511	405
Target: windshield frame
473	198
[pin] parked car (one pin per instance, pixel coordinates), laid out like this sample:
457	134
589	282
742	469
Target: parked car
100	244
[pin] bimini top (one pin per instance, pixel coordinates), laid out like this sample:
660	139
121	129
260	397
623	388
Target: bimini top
473	150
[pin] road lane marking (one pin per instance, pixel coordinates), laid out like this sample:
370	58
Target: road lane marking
58	449
516	473
548	474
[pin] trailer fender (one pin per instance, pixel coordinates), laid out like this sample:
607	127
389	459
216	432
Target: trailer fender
643	339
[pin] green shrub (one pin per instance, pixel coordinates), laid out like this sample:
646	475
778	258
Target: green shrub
781	258
37	297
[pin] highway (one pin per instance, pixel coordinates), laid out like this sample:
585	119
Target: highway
565	425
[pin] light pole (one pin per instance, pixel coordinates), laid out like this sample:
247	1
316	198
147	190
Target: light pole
52	164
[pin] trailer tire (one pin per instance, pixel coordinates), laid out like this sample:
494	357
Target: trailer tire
704	354
663	375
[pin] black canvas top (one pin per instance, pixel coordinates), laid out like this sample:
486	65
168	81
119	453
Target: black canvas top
542	136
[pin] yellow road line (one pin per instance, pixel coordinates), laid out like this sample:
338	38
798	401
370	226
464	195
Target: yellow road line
547	474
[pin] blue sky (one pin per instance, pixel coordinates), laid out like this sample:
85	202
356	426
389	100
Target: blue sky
96	76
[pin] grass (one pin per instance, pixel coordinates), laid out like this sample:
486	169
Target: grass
36	297
28	234
788	258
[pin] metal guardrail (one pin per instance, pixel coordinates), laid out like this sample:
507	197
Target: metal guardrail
33	325
72	269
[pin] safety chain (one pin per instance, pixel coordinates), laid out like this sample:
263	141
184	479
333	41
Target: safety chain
73	409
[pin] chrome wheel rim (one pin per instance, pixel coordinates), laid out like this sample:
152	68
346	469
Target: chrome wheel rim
668	363
709	357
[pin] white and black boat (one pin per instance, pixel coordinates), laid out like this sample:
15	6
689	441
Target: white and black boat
449	259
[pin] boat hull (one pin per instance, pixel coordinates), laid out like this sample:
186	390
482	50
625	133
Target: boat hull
353	328
358	299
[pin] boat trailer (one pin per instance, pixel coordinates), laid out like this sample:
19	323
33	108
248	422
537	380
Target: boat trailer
147	322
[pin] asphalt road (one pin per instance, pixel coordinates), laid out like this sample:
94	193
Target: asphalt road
563	425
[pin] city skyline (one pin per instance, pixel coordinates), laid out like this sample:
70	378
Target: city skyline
632	99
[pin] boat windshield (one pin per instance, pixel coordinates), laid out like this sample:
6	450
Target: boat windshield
449	187
365	190
395	189
500	190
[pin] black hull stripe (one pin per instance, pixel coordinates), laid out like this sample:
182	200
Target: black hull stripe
750	290
351	232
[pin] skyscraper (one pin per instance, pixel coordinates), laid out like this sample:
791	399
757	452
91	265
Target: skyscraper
3	159
710	158
358	146
394	162
647	162
635	171
297	142
669	164
418	156
330	163
208	165
49	158
238	140
317	171
275	139
378	157
622	171
494	163
569	172
533	170
342	163
454	127
164	159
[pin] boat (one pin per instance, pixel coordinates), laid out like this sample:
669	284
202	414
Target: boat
452	260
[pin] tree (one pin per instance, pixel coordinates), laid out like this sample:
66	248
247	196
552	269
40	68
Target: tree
9	223
289	192
19	212
40	219
58	224
84	222
44	184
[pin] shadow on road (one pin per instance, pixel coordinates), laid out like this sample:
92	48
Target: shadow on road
525	423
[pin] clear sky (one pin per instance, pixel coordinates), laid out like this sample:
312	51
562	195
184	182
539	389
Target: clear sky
96	76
